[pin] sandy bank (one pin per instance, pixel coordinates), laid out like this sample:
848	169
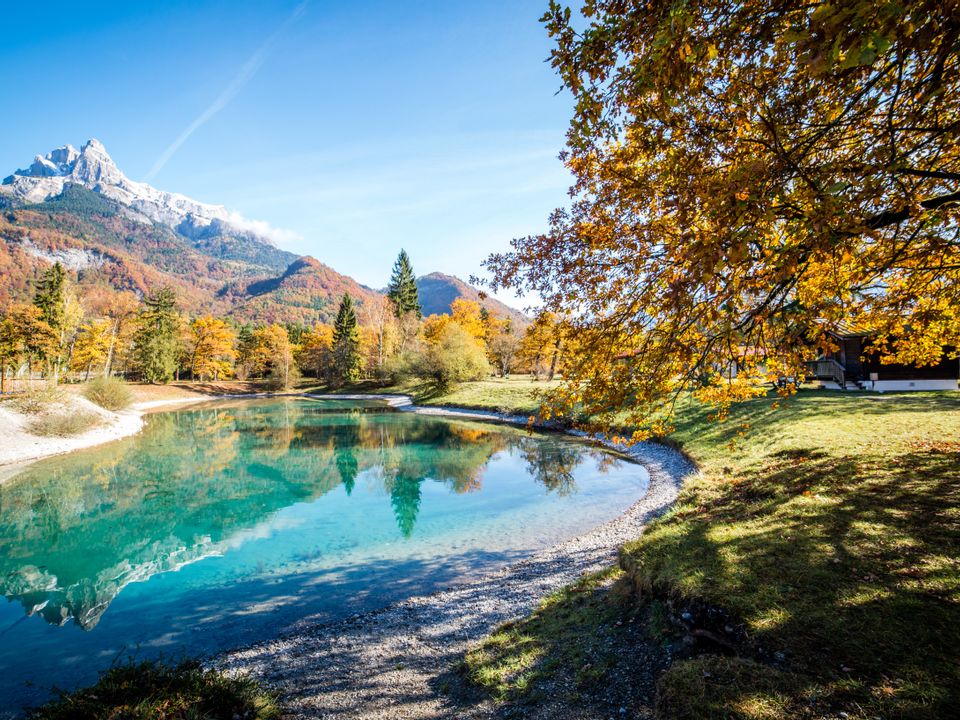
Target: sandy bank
18	446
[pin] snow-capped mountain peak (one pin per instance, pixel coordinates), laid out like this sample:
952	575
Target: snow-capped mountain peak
93	168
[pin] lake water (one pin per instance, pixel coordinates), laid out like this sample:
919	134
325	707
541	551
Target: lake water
231	522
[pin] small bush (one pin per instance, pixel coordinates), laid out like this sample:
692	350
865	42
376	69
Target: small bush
73	422
282	378
35	400
399	369
110	392
455	358
158	691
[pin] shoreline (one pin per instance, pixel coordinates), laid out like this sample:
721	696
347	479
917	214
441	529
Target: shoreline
390	661
125	423
393	661
117	425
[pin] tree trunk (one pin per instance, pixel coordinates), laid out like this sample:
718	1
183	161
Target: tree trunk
553	360
70	353
108	365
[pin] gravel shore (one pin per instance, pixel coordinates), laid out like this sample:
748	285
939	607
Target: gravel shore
18	445
396	662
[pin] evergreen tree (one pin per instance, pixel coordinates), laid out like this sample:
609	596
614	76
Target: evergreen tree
403	287
346	343
156	340
50	297
405	499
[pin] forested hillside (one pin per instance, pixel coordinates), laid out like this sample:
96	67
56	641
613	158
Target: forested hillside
104	243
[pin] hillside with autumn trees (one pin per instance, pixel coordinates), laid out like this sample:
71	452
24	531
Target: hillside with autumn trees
97	321
104	247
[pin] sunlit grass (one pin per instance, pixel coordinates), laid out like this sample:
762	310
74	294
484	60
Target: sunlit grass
830	530
569	629
515	394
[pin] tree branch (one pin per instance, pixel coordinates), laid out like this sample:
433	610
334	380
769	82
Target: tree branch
894	217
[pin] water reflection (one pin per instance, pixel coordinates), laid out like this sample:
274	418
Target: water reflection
75	531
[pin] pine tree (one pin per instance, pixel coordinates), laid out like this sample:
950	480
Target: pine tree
156	341
403	287
50	299
405	499
346	343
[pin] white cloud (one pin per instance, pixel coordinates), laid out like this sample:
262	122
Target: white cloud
280	236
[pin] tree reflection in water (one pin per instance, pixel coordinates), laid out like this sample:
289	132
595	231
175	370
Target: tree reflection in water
74	531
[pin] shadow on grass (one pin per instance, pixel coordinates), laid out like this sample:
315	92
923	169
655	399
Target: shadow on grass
843	568
585	648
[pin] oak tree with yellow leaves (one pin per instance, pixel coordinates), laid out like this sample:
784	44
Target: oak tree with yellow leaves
748	176
212	348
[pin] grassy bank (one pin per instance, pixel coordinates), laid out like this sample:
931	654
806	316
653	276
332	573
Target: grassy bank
514	394
162	691
810	569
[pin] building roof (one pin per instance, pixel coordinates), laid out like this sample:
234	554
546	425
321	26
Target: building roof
847	329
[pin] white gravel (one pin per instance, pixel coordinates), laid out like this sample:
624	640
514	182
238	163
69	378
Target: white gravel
390	663
19	446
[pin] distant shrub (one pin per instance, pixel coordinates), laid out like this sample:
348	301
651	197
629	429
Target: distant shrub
109	392
280	378
400	368
158	691
455	357
36	400
55	424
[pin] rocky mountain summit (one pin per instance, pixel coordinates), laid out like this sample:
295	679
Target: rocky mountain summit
93	168
77	207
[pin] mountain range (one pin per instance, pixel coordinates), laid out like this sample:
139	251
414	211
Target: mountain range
77	207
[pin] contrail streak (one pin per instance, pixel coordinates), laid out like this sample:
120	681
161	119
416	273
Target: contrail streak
247	71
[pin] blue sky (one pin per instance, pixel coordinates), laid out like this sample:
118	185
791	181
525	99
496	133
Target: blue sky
356	128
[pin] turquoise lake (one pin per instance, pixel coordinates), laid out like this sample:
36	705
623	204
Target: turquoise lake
231	522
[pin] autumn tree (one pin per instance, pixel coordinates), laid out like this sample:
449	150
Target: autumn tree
11	348
315	352
120	308
346	344
747	176
212	348
156	341
469	315
268	352
380	322
24	337
542	345
92	346
434	326
453	355
503	343
403	287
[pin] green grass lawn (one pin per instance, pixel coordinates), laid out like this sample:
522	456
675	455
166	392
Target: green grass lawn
513	394
829	531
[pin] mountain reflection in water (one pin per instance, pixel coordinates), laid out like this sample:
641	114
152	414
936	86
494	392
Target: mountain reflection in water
74	531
